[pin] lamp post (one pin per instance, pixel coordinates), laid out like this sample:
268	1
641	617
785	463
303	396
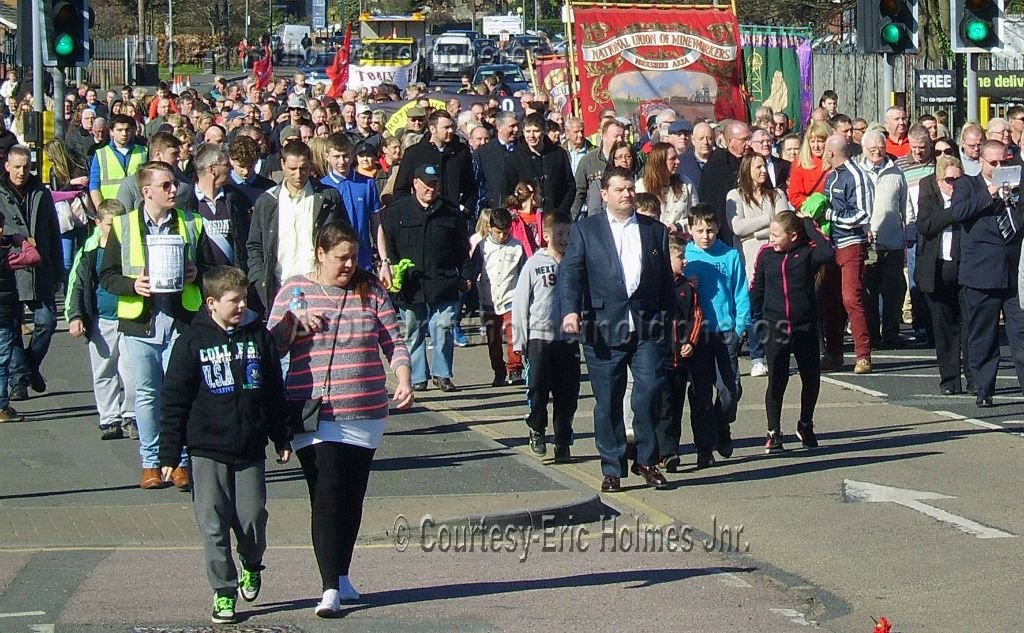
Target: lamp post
170	38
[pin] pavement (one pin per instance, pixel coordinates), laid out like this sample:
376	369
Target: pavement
911	505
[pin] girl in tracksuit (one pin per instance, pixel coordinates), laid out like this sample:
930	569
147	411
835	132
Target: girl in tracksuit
784	286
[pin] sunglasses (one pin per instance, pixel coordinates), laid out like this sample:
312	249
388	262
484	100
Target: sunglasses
418	119
996	163
167	185
946	152
949	180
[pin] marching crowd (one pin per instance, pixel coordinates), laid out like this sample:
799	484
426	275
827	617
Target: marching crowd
309	240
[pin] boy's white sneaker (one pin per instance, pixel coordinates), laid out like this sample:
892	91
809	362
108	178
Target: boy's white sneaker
329	605
758	369
346	592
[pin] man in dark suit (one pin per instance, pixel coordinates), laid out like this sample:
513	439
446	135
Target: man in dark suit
494	154
938	261
778	168
990	245
621	315
725	165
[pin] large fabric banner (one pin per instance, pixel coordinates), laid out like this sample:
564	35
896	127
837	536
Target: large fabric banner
373	76
774	72
553	78
686	59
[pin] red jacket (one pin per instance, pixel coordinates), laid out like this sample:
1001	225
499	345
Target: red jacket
803	182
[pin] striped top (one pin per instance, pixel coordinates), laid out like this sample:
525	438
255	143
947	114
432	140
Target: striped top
357	389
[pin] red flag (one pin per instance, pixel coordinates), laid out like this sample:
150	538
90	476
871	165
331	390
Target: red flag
263	70
338	71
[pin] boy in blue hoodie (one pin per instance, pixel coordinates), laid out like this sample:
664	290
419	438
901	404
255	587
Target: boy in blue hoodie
717	271
223	398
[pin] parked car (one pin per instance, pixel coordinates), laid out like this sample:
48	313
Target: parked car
486	50
453	54
515	52
513	75
315	67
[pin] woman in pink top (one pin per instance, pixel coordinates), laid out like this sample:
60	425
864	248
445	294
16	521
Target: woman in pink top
334	342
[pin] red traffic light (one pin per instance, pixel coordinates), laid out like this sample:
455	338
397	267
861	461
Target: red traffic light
891	8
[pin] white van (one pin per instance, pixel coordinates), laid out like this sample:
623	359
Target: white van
453	54
291	40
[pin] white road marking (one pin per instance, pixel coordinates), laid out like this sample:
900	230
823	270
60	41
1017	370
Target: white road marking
853	387
983	424
864	491
794	616
899	357
43	628
902	375
730	579
22	614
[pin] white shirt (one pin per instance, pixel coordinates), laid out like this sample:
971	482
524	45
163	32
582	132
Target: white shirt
946	252
626	235
294	233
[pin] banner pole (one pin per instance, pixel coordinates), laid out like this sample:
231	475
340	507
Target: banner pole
571	61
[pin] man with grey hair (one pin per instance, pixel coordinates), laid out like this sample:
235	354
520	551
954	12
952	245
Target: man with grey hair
576	143
970	148
778	169
725	165
225	209
662	122
100	138
883	278
493	157
896	126
998	130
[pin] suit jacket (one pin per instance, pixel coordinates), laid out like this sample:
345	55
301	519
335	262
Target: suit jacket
493	157
550	169
932	219
262	244
987	262
689	168
781	180
587	286
725	168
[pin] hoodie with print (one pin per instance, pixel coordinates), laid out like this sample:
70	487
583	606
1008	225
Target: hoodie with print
223	396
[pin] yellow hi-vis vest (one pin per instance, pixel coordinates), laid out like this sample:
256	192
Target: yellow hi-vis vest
133	258
111	171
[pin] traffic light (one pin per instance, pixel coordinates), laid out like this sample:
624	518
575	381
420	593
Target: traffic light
887	26
66	26
977	25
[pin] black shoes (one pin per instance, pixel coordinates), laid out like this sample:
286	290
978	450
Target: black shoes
705	460
651	475
538	444
562	454
37	383
805	433
670	463
516	378
725	441
18	393
948	391
445	384
611	483
984	402
420	386
499	380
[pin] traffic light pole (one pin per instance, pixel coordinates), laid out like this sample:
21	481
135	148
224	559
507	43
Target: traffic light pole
59	82
888	80
37	55
972	87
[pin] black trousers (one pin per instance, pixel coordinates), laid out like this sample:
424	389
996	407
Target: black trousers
803	344
669	426
883	281
336	475
552	374
983	308
948	308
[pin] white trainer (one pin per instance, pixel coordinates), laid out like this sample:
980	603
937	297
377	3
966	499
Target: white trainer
329	605
758	369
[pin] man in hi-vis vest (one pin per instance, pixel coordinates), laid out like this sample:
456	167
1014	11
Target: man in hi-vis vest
112	163
143	266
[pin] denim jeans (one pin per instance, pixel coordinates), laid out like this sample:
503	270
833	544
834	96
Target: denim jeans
9	334
26	362
148	360
439	318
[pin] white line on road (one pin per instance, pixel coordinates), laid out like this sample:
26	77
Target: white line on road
865	491
22	614
983	424
894	374
794	616
899	357
730	579
43	628
853	387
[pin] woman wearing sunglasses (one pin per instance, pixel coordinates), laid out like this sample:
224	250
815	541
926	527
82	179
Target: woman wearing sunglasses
938	261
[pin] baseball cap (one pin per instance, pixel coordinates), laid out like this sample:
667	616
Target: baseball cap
416	112
680	126
236	114
361	108
427	173
289	131
296	102
367	149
